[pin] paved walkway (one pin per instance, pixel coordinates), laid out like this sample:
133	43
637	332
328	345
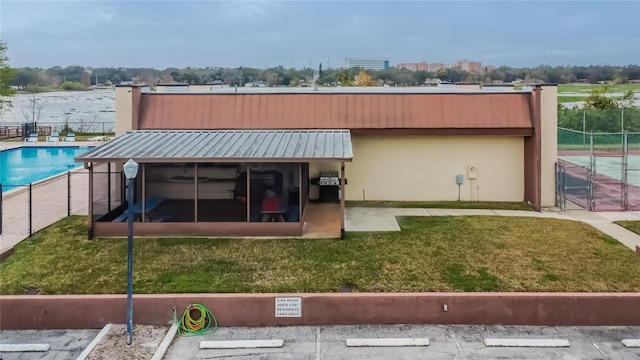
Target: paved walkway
384	219
458	342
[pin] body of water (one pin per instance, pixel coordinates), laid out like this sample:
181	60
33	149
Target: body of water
83	110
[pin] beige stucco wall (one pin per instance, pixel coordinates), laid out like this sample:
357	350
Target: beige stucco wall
425	168
549	151
200	87
468	86
123	109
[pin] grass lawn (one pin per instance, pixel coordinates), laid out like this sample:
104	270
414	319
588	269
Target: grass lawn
630	225
586	88
431	254
492	205
567	99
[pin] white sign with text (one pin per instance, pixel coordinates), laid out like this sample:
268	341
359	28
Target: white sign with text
288	307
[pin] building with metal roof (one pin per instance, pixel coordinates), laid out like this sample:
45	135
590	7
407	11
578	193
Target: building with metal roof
260	161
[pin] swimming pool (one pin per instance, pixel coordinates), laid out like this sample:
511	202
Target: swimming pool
28	164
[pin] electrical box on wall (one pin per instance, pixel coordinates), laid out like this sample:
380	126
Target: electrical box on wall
472	172
459	179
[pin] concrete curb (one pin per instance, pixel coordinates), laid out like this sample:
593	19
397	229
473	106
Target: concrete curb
24	347
241	344
5	253
526	343
166	342
631	343
105	330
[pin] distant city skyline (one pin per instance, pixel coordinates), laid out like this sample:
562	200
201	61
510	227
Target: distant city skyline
306	33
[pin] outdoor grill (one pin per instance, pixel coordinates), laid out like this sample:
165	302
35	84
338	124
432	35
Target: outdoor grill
329	178
329	186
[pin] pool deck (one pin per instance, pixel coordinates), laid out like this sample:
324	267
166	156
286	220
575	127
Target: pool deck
5	145
50	201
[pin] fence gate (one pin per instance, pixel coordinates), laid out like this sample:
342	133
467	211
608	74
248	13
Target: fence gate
603	177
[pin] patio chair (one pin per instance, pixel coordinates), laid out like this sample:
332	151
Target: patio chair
33	138
71	137
54	137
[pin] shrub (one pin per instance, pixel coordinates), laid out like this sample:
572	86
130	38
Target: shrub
73	86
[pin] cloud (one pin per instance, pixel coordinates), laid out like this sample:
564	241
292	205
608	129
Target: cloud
237	10
19	16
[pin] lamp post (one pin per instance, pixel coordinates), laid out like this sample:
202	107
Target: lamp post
130	172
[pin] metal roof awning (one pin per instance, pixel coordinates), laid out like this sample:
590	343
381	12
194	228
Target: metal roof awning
160	146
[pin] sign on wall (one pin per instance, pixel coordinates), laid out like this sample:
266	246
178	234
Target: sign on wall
288	307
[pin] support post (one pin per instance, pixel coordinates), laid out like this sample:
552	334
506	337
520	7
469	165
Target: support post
90	204
68	193
195	187
30	209
143	198
342	181
248	194
300	192
130	262
108	187
584	127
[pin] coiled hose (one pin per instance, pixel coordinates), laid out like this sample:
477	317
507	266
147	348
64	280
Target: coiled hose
200	325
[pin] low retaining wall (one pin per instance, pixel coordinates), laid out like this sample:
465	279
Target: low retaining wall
94	311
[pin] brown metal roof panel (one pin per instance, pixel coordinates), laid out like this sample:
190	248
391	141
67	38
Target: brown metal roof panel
228	111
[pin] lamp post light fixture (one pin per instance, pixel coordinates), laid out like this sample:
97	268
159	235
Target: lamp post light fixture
130	172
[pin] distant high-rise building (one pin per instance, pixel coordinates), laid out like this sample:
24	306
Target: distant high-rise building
421	66
466	65
369	64
471	66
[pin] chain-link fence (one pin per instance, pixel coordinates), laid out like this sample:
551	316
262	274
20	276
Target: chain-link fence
25	209
598	171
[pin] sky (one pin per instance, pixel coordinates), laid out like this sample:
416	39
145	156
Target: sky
262	34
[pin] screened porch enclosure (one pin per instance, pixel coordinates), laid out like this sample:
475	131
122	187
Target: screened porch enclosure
222	192
223	183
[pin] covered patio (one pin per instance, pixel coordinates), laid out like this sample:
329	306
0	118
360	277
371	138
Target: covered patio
217	183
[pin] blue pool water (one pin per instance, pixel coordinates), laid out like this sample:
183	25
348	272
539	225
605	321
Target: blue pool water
25	165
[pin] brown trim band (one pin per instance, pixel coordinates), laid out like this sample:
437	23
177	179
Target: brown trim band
109	229
444	132
445	91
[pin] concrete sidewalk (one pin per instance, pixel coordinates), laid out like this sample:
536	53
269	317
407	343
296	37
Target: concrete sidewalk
384	219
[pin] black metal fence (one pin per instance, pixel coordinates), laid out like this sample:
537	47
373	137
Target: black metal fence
45	128
28	208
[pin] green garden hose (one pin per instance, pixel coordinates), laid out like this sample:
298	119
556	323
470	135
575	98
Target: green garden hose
198	325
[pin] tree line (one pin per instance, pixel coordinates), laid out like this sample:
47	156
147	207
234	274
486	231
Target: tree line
280	76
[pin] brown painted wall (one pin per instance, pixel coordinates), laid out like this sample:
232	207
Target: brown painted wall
533	153
94	311
335	111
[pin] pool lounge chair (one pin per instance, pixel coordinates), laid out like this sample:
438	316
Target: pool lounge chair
54	137
33	138
71	137
97	139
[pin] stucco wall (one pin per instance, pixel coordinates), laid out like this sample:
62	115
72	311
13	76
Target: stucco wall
549	117
425	168
123	109
550	309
